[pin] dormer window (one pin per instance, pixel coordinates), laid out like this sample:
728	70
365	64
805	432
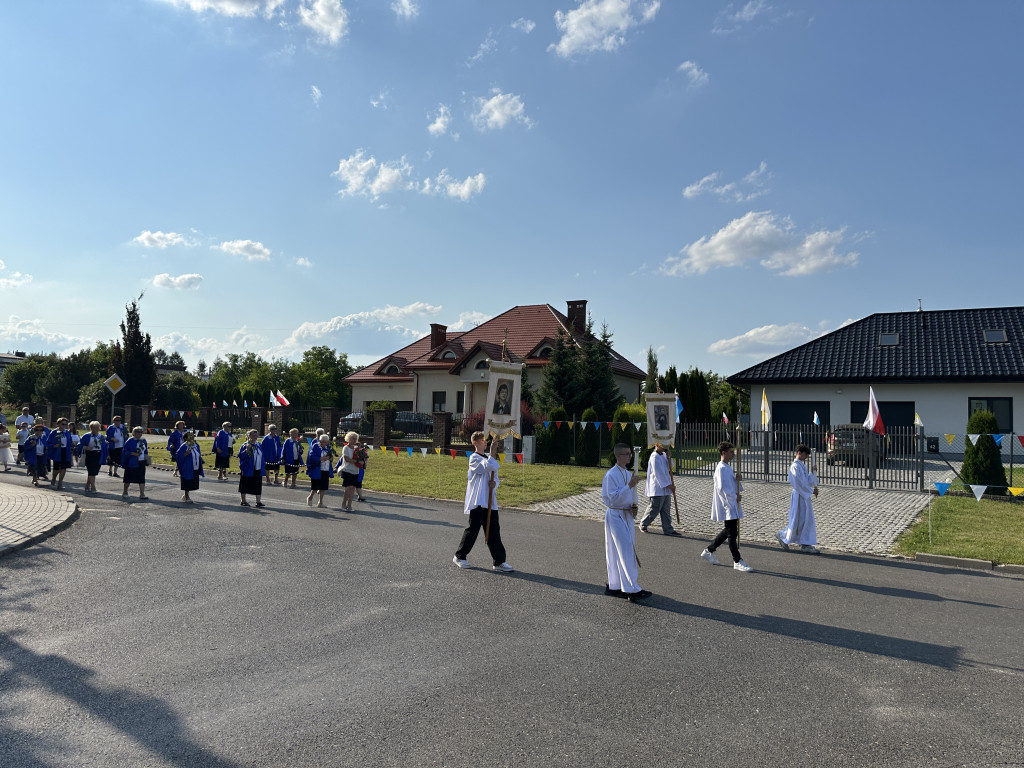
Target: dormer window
888	339
483	365
995	335
544	353
391	370
448	355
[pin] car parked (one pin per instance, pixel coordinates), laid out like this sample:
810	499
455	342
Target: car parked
851	443
350	423
413	423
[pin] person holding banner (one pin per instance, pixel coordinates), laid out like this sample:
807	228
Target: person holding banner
726	509
619	533
802	531
481	504
659	491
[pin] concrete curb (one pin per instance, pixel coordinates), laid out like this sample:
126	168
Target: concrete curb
955	562
28	541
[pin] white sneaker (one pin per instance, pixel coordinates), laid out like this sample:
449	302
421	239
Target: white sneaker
460	563
504	568
782	541
710	557
741	566
810	549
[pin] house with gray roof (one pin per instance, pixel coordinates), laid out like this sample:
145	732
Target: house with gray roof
943	365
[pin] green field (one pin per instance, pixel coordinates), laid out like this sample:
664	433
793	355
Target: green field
964	527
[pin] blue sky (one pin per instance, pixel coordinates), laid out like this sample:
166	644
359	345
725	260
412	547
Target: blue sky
722	181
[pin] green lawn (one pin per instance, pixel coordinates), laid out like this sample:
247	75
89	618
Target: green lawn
964	527
441	477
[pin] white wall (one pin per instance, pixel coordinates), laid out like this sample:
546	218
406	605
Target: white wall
942	407
362	393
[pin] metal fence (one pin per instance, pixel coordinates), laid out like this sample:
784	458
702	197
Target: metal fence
895	461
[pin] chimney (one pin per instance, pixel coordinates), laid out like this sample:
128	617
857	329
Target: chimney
438	335
577	314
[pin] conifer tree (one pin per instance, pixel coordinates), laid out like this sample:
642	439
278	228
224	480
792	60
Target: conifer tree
132	358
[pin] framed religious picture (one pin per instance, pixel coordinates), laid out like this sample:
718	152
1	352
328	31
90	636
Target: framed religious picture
502	416
661	419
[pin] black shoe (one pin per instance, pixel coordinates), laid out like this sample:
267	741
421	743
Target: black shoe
613	592
673	533
643	529
634	597
244	504
260	504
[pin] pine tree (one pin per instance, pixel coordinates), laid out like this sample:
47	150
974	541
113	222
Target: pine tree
132	358
597	381
983	462
651	382
560	382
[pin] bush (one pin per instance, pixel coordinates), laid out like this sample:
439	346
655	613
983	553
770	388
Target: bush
629	413
472	422
588	444
554	444
983	463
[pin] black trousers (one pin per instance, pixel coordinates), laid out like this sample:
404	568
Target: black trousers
731	532
477	520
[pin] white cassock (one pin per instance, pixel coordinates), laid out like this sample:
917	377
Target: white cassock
724	505
801	528
619	533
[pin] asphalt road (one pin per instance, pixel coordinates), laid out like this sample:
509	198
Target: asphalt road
155	634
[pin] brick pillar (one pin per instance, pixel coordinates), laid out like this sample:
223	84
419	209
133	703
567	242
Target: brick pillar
103	415
259	419
144	418
382	421
283	415
329	421
442	437
73	418
48	415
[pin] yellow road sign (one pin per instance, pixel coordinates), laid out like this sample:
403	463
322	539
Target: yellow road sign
115	384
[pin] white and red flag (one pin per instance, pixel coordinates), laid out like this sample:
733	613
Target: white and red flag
282	399
874	418
273	400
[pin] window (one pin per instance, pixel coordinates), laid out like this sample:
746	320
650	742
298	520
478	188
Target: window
448	355
438	399
391	370
1000	407
483	365
995	335
460	402
888	339
544	353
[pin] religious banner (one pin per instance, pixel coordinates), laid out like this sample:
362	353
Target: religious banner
501	409
661	419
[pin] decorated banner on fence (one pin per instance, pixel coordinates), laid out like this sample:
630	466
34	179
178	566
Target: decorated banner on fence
502	404
661	419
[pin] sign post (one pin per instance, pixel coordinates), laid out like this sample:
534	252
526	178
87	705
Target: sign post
115	384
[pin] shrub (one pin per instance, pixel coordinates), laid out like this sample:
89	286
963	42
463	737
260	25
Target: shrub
554	444
629	413
983	463
588	444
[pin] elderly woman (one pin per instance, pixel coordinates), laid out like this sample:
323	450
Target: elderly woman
189	460
320	468
134	457
350	465
116	435
174	443
271	445
94	450
222	447
251	468
291	455
61	452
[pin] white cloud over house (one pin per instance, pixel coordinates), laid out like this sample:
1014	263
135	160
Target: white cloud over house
600	25
761	237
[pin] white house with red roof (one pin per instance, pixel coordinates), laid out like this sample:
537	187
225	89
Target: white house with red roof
449	372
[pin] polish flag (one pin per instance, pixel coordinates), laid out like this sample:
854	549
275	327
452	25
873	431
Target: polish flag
281	398
273	400
874	419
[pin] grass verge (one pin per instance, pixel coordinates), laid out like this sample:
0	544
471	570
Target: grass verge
964	527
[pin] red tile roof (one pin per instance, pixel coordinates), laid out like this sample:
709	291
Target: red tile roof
526	327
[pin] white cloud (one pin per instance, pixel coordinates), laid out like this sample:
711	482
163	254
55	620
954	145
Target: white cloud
32	334
208	348
223	7
252	251
381	100
179	283
328	19
731	20
13	280
442	119
525	26
750	187
159	239
405	9
303	262
316	94
365	177
695	74
487	46
759	236
499	110
600	25
445	184
468	320
765	340
389	319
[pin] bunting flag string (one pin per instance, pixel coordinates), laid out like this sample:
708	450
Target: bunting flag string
942	488
998	439
425	451
979	491
1015	491
453	452
973	438
949	438
519	458
409	449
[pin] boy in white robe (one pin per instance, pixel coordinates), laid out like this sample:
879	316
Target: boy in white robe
726	509
801	531
619	532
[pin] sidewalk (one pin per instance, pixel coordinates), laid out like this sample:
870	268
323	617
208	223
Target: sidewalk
29	514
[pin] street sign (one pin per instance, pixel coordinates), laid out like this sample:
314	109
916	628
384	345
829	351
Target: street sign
115	384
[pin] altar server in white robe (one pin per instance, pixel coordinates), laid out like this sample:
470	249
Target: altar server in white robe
726	509
801	531
619	532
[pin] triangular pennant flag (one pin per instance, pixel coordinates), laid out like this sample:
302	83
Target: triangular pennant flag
453	452
1015	491
468	454
546	424
572	424
998	439
597	425
949	438
942	488
979	491
917	420
234	403
519	458
152	414
972	439
384	448
409	449
817	421
558	424
623	424
501	458
584	423
396	450
1021	438
610	424
637	425
424	450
